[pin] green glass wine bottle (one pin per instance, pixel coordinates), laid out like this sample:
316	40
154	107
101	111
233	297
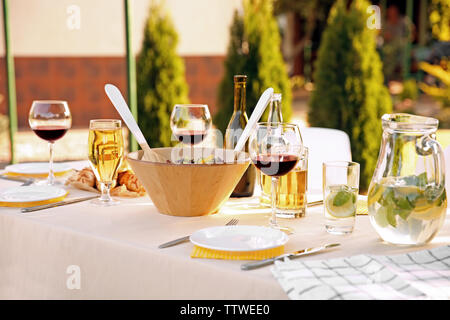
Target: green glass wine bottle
236	126
265	182
275	109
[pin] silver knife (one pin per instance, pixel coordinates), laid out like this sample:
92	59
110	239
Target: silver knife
56	204
25	181
174	242
314	203
293	255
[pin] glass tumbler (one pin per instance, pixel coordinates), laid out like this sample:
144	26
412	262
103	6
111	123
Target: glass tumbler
340	194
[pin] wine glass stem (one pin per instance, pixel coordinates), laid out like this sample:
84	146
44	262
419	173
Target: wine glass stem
106	187
51	175
273	218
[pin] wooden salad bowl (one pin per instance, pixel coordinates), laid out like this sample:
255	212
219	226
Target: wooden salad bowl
189	190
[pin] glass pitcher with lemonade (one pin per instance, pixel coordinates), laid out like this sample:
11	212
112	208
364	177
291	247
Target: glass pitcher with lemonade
407	198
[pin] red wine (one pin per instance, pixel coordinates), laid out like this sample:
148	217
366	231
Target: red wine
190	136
276	164
50	133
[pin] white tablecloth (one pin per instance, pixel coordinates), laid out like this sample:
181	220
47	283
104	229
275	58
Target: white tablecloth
115	251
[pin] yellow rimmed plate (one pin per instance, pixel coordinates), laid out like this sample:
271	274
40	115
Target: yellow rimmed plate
239	238
33	195
36	169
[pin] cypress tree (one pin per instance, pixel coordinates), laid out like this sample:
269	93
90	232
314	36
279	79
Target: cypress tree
349	93
160	77
254	50
440	19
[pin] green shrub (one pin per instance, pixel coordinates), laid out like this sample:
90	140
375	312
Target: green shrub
297	82
254	50
349	93
160	78
441	92
444	118
439	17
410	90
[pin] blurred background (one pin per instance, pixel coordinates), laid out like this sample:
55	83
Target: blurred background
331	59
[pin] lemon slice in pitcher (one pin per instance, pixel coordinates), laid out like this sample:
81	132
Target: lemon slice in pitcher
341	204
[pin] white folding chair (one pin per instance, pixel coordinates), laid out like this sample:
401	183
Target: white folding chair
323	145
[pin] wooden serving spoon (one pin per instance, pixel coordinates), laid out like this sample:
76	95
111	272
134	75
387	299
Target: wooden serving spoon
121	106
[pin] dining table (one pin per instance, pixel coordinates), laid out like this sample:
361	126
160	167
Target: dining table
83	251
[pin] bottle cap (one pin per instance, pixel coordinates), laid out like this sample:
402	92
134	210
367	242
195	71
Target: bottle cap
240	78
276	97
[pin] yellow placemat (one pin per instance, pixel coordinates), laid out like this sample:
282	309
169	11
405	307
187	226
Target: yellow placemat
31	204
199	252
361	207
36	175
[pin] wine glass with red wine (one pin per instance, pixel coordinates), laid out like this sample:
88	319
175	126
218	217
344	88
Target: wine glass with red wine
190	124
275	148
50	120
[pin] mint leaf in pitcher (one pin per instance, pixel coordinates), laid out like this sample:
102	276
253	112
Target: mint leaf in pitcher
387	198
412	198
390	216
404	214
403	203
420	180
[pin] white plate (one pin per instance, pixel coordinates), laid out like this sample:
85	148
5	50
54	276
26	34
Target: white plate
31	193
36	168
239	238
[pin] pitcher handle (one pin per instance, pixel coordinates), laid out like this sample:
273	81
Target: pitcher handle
430	144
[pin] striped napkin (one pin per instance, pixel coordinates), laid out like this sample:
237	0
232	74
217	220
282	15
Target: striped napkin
418	275
200	252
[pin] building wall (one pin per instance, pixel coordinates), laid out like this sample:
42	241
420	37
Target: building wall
68	49
80	81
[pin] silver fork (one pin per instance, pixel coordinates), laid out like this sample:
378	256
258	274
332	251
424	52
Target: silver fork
232	222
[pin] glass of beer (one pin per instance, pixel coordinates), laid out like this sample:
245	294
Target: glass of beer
105	155
291	190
